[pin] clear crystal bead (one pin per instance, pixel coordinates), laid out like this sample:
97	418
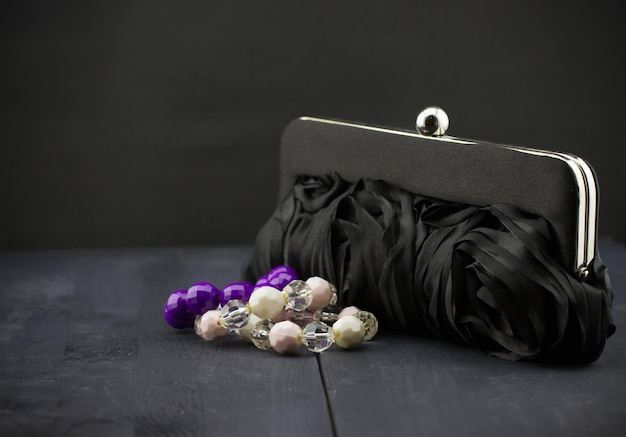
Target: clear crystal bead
299	295
301	318
260	334
327	315
317	336
235	314
333	298
370	323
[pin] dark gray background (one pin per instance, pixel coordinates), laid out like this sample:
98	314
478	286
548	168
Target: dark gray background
158	123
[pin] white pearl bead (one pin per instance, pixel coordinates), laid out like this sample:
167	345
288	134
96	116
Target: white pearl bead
349	332
321	292
266	302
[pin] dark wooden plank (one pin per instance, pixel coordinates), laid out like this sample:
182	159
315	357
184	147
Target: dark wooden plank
84	351
401	385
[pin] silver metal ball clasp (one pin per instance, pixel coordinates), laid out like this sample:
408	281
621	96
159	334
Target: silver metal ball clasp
432	122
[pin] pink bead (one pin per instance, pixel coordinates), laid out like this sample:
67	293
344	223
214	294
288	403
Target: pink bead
301	318
321	292
348	311
285	337
209	329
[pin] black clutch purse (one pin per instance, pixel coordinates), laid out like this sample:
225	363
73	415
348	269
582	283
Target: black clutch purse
484	244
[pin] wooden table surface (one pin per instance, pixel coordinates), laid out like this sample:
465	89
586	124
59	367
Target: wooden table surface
84	351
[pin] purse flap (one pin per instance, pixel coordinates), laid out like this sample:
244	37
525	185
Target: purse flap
559	187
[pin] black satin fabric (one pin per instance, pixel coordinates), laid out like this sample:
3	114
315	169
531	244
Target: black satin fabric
482	276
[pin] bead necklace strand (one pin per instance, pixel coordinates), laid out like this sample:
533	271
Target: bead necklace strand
280	312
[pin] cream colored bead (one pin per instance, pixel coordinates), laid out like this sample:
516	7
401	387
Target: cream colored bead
349	332
246	330
321	292
266	302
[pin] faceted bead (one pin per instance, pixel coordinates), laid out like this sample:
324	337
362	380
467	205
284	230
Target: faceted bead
260	334
236	291
202	297
283	269
301	318
235	314
369	322
245	332
261	282
248	289
299	295
176	313
321	292
209	328
349	311
317	336
285	337
267	302
328	315
349	332
280	276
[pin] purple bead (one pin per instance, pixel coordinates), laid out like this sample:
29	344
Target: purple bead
236	290
283	269
202	297
248	289
262	282
280	276
176	313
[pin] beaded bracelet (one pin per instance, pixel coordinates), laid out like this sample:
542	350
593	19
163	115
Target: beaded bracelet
304	312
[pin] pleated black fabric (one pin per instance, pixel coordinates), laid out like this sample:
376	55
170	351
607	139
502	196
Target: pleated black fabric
481	276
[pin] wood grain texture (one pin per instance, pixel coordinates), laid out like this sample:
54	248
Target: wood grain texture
399	385
402	386
84	351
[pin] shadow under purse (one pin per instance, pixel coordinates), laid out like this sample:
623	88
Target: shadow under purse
487	245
